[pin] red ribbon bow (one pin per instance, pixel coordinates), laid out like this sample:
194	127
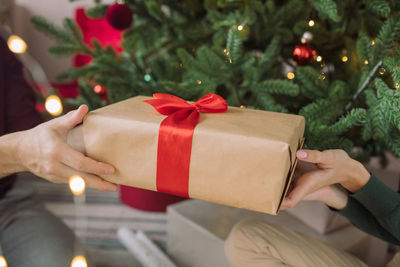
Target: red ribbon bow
175	138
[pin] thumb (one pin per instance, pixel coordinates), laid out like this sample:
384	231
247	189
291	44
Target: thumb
73	118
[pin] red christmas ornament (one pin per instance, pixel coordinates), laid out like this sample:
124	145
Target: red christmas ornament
119	16
304	54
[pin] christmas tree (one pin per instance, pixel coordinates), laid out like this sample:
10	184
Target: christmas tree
337	63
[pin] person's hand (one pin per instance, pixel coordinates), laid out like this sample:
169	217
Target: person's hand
332	195
333	167
44	151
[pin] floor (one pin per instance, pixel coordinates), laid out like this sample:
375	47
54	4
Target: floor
97	220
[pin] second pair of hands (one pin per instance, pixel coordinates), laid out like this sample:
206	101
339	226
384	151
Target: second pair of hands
325	176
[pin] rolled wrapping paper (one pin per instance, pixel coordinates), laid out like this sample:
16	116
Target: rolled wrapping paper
148	254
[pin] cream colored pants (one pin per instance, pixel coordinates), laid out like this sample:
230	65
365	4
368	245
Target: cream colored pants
254	243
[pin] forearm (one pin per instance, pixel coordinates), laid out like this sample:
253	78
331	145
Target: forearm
363	219
9	162
383	203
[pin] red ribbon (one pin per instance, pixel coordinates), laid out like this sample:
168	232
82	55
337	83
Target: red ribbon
175	138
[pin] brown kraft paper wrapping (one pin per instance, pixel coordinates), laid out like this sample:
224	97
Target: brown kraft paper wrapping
242	158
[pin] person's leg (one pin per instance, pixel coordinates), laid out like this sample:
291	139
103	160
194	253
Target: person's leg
31	235
254	243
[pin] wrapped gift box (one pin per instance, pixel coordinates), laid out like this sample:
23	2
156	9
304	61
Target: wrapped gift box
242	158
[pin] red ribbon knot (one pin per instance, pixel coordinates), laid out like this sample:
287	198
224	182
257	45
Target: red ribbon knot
175	138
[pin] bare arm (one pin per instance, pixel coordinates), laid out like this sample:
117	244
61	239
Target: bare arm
44	151
8	154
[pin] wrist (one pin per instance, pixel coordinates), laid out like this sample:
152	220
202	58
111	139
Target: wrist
9	154
17	150
358	176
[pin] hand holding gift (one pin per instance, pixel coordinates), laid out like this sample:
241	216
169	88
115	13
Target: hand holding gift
319	182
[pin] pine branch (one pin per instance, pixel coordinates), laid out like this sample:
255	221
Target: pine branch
97	11
278	87
327	8
363	86
51	30
356	117
234	44
379	7
270	55
363	47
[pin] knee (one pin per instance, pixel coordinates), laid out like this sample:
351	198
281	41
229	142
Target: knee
241	238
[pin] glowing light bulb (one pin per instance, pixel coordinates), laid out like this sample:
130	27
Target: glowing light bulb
373	42
3	262
198	82
311	23
319	59
79	261
16	44
396	85
240	27
345	58
366	62
147	77
98	89
77	185
290	75
53	105
242	106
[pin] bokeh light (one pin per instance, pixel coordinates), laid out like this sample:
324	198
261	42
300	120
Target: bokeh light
98	89
290	75
3	262
77	185
53	105
16	44
79	261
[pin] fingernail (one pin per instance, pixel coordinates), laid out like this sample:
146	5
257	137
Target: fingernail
301	154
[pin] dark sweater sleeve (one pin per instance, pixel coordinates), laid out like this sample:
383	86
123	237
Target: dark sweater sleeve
375	209
21	113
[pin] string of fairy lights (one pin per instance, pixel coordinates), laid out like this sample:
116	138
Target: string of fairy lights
345	58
